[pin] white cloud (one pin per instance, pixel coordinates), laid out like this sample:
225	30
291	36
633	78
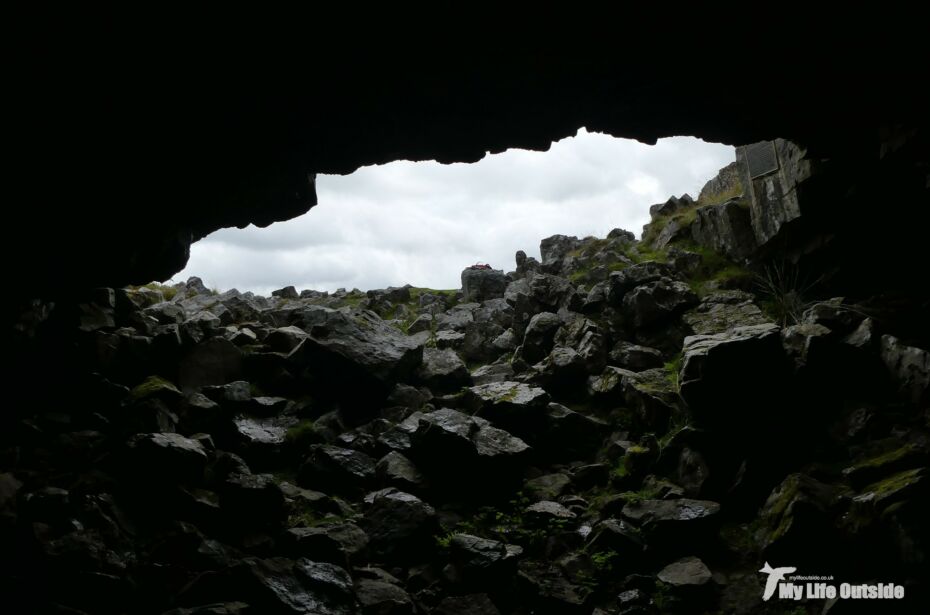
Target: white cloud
423	222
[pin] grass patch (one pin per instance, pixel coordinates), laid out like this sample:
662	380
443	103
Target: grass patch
304	432
308	518
168	292
672	368
785	292
448	294
153	386
717	198
634	497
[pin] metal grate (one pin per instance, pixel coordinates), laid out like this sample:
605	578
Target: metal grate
761	158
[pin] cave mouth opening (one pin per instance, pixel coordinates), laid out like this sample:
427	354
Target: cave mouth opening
423	222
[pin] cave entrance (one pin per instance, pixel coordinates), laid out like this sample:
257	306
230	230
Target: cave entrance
423	222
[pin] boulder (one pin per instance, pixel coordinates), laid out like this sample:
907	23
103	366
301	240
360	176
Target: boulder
568	435
617	535
545	512
798	513
487	341
726	181
279	585
331	468
355	353
834	314
555	248
653	302
539	293
539	336
481	562
673	230
514	406
688	572
495	372
465	451
456	319
252	501
725	228
383	598
545	589
395	470
482	284
562	372
261	439
652	393
909	367
736	381
442	370
634	357
400	526
621	282
285	339
215	361
167	457
587	340
288	292
723	310
688	581
338	543
673	524
672	205
547	486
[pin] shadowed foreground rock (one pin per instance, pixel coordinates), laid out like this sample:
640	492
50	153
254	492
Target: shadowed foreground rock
617	429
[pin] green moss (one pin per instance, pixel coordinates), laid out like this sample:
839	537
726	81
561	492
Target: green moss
886	459
509	395
603	561
152	386
652	230
895	485
308	518
780	518
633	497
450	295
672	369
304	431
621	470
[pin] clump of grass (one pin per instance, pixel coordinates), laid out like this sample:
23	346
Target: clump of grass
672	368
168	292
785	290
734	191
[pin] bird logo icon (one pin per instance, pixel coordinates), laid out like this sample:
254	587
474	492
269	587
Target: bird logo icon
775	575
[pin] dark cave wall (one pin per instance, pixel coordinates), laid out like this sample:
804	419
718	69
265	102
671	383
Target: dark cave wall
129	147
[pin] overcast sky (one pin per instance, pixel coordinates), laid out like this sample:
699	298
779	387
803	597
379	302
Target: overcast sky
422	222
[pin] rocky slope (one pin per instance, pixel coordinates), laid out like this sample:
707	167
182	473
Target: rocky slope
624	427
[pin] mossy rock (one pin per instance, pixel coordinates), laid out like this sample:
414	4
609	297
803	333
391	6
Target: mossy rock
870	469
154	386
800	510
